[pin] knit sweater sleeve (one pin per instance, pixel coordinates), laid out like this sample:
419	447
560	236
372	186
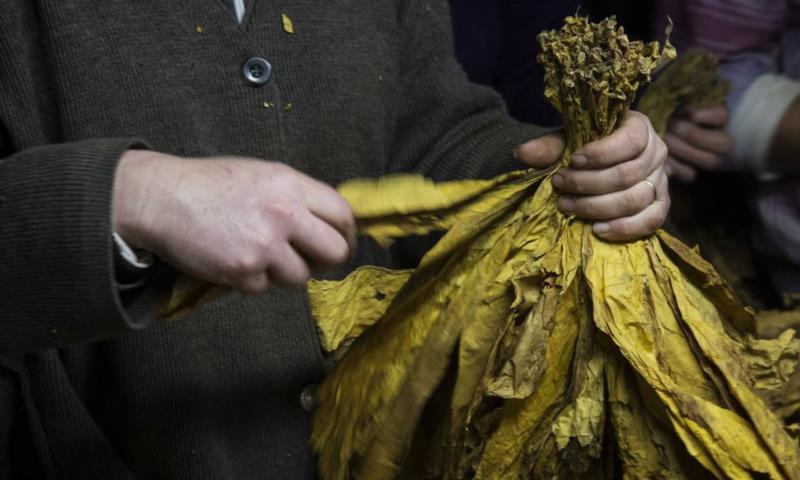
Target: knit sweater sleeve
57	276
447	128
57	281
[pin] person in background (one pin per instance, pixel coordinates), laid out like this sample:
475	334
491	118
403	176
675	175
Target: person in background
758	45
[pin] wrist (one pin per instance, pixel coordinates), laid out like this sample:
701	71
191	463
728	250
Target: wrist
136	188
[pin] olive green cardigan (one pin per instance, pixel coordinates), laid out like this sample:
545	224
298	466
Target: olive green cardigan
91	386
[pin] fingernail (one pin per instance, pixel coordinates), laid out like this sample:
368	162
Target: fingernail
579	161
668	169
515	152
566	205
558	181
601	227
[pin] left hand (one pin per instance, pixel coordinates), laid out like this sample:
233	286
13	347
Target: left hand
618	182
697	141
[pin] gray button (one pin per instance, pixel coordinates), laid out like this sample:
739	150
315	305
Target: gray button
256	71
307	400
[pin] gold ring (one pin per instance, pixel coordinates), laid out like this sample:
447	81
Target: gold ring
655	190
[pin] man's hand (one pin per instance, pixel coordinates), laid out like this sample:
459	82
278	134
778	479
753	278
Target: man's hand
697	142
619	181
233	221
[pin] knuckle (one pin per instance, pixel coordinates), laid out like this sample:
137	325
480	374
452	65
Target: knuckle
571	183
284	211
348	217
575	185
667	203
341	251
628	174
336	251
662	151
639	133
252	285
295	275
624	229
653	222
663	185
636	200
243	264
299	275
585	208
694	135
271	251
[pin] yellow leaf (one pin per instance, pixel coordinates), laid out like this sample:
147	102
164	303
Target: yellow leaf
288	26
503	354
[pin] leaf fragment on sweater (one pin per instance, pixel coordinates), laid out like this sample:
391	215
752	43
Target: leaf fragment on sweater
288	26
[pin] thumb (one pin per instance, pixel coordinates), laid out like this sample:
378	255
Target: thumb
542	152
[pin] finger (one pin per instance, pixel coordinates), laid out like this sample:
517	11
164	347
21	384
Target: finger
681	150
626	143
710	139
253	284
327	204
319	242
287	267
612	205
597	182
716	116
638	225
542	152
680	170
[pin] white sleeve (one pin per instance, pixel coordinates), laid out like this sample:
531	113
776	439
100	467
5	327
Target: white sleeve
142	261
756	119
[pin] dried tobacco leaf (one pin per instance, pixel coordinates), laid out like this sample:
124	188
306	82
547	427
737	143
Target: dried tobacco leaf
525	347
691	80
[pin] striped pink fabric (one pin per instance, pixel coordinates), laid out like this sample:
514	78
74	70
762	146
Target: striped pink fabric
727	27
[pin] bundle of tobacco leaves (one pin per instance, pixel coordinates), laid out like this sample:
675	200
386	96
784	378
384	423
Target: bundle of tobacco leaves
525	347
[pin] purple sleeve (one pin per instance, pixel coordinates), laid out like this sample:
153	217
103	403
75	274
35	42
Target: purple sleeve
790	42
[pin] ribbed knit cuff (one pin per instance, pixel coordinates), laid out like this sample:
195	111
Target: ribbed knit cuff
489	151
57	278
503	160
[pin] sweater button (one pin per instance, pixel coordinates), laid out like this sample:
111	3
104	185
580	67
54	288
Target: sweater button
256	71
307	400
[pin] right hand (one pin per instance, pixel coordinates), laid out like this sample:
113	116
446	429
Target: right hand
232	221
697	142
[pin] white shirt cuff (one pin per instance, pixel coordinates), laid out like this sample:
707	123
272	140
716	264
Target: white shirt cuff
755	121
143	260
